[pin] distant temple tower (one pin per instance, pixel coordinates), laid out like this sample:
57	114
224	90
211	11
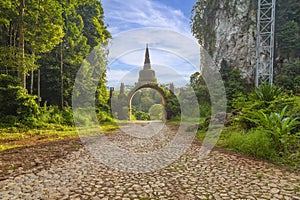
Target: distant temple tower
147	75
122	94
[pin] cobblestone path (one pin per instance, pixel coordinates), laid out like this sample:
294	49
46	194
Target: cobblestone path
219	176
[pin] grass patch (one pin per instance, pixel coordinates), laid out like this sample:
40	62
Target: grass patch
223	137
201	134
258	144
254	143
177	120
4	147
12	137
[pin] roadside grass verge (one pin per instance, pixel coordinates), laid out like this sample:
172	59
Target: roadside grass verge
12	137
256	144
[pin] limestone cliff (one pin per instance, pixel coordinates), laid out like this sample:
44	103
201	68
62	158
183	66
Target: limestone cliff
226	29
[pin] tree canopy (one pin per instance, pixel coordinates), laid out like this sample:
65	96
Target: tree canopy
52	37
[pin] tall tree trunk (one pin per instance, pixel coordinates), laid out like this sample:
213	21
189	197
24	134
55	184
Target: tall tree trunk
22	73
10	35
39	87
61	75
32	77
11	42
31	81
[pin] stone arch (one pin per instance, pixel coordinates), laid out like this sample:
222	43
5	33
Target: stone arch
153	86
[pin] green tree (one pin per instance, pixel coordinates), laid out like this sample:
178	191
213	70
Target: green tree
146	103
94	28
233	82
288	75
45	17
8	38
201	91
145	98
198	84
65	60
28	30
288	28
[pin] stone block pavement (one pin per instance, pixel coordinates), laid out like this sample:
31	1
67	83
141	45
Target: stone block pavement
221	175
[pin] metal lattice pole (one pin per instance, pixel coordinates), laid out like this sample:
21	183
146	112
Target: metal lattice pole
265	42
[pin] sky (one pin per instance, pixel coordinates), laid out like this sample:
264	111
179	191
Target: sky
162	24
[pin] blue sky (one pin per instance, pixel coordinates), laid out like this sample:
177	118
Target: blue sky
133	23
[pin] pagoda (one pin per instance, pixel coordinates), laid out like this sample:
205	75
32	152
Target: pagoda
146	75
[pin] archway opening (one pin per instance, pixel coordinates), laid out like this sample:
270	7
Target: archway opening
147	103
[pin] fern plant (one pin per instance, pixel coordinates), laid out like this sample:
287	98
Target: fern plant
277	126
267	99
267	92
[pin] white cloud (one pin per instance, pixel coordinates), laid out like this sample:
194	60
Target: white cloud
133	23
146	13
167	48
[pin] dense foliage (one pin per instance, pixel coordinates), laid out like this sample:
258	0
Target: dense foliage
142	101
52	37
19	105
84	30
288	29
269	117
265	121
22	109
233	82
288	76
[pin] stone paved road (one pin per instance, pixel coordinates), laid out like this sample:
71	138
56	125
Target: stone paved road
219	176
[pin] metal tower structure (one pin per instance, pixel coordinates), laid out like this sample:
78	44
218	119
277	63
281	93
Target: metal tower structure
265	41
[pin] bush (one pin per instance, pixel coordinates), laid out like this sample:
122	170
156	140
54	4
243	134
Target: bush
55	115
266	93
21	109
259	144
84	117
140	115
270	119
266	99
67	114
172	106
205	110
277	126
19	105
254	143
103	116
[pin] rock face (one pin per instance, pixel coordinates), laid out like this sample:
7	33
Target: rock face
228	31
235	37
